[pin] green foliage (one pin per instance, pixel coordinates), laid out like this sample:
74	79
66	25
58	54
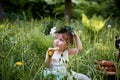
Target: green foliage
54	1
42	8
39	39
26	8
95	23
99	7
17	46
19	2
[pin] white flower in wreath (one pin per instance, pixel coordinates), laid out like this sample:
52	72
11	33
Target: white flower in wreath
53	30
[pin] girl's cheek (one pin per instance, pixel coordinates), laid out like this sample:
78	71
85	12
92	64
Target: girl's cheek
55	41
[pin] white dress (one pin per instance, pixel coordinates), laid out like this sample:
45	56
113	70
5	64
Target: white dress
59	67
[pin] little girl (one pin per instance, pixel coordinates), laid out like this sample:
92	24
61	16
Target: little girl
57	57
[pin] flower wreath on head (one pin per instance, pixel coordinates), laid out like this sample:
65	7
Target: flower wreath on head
68	30
64	29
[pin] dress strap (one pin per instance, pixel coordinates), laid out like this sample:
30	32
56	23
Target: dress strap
65	56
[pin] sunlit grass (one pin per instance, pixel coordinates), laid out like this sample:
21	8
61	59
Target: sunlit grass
26	42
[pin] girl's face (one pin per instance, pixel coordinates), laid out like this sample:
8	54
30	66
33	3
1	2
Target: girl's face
60	42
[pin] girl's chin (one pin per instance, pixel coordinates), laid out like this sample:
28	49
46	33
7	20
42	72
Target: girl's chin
56	47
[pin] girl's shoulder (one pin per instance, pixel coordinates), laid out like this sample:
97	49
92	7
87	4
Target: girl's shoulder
65	55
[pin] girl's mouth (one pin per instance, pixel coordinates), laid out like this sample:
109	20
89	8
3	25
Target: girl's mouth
56	45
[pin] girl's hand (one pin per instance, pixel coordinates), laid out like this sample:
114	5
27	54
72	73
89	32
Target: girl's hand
51	51
76	34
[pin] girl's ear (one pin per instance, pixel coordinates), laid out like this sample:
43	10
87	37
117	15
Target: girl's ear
66	47
67	44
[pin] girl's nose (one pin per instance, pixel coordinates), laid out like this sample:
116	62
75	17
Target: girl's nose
57	41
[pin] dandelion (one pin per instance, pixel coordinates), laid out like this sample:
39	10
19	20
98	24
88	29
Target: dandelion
19	63
52	32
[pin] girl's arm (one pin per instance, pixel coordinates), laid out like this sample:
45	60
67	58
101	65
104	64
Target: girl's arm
49	55
78	45
47	60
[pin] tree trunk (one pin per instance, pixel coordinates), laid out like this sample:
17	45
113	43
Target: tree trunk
2	14
68	9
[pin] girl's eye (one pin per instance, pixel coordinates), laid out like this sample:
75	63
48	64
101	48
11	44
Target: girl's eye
60	39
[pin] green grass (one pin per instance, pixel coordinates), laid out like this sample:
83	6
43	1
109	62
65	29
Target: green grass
25	41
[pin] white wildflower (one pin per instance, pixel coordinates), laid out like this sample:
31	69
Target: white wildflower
88	51
80	31
53	30
109	26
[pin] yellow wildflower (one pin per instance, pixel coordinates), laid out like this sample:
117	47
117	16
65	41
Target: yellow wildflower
18	63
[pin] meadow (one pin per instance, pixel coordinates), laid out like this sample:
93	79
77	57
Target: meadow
23	45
